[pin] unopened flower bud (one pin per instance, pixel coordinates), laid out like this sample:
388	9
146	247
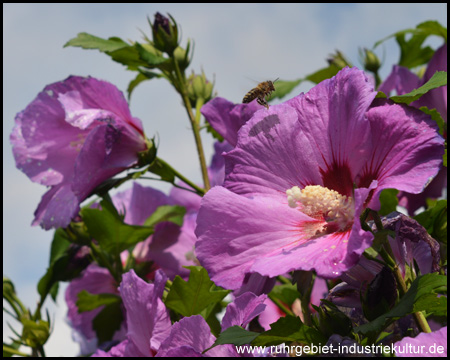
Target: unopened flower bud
182	57
332	320
339	60
370	60
380	295
165	33
199	87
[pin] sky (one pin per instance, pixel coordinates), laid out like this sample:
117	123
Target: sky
237	46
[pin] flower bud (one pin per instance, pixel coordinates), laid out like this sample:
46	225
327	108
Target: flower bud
370	60
332	320
199	87
165	33
338	60
182	57
381	294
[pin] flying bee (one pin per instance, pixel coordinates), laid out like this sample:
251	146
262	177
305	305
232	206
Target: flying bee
260	93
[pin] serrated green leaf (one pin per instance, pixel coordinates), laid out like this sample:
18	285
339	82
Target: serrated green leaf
193	296
432	27
234	335
288	329
412	53
409	303
432	304
88	41
111	233
389	201
128	56
172	213
151	58
88	302
437	80
283	87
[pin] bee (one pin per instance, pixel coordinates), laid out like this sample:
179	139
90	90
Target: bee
260	93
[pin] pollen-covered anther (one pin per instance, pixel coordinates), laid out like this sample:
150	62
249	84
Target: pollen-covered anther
320	202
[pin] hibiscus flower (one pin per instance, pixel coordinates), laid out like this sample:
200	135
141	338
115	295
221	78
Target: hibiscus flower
73	136
300	176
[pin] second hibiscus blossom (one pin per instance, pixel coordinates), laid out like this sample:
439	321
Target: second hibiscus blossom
300	176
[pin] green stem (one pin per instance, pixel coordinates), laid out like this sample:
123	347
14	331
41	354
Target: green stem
199	190
283	280
282	307
10	350
195	125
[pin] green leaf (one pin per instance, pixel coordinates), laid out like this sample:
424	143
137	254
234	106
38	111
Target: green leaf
389	201
191	297
143	75
111	233
150	55
432	304
288	329
287	293
433	28
409	303
87	301
437	80
172	213
234	335
59	269
412	53
434	220
323	74
88	41
108	321
128	56
436	116
283	87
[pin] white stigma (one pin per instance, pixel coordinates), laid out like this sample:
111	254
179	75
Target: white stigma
322	203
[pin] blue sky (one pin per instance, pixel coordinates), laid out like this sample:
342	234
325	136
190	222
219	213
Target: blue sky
237	44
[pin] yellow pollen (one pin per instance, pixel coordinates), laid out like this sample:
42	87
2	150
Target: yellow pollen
320	202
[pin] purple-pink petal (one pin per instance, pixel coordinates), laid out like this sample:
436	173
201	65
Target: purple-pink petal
425	344
405	149
190	337
148	320
243	309
401	79
239	235
227	118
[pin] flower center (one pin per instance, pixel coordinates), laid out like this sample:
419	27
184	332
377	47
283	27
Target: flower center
323	204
